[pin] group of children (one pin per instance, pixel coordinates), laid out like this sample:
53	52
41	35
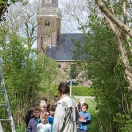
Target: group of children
40	117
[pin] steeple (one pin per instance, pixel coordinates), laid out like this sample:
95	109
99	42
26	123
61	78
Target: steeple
49	22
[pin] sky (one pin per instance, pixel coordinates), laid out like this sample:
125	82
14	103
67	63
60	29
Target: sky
68	23
68	7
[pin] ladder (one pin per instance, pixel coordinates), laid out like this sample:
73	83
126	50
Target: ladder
6	104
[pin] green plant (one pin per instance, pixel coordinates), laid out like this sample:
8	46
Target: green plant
127	127
21	128
82	91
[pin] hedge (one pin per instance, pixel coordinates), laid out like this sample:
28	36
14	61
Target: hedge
82	91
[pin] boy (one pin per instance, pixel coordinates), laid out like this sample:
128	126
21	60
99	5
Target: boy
84	118
51	116
29	114
32	125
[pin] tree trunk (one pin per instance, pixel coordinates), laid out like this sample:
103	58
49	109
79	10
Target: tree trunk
112	17
114	23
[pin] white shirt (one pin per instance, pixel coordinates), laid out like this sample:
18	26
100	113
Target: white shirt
43	127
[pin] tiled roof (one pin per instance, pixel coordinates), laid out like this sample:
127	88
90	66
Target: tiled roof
64	48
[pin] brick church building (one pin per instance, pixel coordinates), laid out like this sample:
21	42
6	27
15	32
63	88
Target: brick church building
50	41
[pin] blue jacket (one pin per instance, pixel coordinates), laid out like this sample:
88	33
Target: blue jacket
50	121
87	117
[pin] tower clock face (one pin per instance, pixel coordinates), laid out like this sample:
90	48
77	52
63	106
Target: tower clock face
48	1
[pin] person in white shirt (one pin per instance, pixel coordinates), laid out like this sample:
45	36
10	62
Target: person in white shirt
43	126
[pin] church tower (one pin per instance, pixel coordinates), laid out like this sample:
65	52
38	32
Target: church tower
49	22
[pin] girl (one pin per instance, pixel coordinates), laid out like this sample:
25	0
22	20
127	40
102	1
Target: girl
51	116
43	126
43	107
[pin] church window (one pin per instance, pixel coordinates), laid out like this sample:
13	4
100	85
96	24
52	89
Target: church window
47	23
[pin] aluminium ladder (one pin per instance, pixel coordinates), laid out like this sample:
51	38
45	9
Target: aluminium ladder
6	104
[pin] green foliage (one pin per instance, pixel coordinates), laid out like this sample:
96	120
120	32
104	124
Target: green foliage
3	2
82	91
21	128
93	126
28	76
48	69
73	73
100	53
127	127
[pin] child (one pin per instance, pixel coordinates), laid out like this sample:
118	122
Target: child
43	107
79	106
43	126
46	100
51	116
84	118
29	113
32	125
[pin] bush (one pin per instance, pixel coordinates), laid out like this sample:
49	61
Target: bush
82	91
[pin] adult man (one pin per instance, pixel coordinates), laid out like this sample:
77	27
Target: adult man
66	113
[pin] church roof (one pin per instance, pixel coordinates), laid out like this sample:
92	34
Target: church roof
64	49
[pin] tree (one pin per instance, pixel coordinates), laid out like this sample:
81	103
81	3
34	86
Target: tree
102	56
100	52
28	76
25	23
75	15
4	4
122	32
